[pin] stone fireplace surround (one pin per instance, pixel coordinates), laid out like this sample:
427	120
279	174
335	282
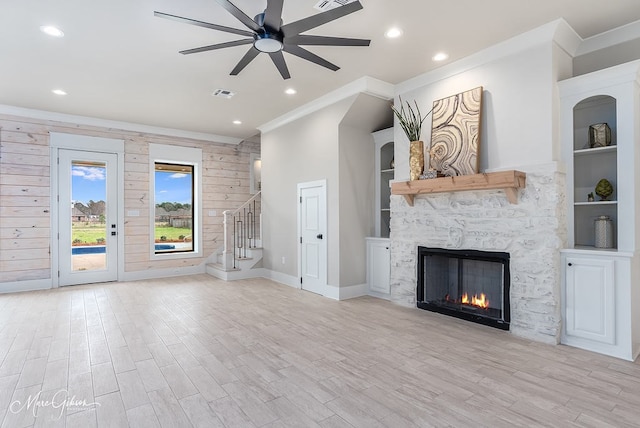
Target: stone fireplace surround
532	231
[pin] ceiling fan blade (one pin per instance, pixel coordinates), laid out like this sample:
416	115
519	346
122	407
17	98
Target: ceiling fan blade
240	15
246	59
281	65
317	20
326	41
273	14
217	46
203	24
305	54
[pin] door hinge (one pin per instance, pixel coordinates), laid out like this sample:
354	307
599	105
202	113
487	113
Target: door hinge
300	280
58	274
58	161
301	239
300	199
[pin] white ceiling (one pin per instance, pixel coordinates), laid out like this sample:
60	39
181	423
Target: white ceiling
119	62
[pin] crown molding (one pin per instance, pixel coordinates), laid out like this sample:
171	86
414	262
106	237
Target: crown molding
364	85
610	38
557	31
114	124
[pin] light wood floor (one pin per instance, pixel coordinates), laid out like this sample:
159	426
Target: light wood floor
198	351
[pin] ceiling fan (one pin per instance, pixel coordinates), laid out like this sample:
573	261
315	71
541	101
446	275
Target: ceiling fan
269	35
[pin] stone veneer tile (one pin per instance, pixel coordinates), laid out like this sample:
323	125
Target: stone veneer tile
532	232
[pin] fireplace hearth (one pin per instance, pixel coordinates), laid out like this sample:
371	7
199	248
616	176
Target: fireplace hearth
468	284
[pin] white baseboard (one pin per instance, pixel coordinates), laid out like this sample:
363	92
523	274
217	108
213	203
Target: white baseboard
344	293
282	278
29	285
162	273
237	274
379	295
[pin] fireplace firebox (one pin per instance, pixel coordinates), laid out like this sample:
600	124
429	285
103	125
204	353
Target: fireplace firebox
468	284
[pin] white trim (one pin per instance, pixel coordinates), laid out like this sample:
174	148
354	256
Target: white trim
367	85
163	273
115	124
86	143
352	291
310	184
377	295
558	31
283	278
60	140
610	38
30	285
188	156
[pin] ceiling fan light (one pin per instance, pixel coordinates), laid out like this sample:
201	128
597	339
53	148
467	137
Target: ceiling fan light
268	45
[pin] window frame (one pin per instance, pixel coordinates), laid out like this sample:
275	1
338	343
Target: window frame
176	155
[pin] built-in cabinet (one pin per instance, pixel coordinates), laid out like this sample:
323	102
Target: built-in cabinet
378	247
601	286
378	267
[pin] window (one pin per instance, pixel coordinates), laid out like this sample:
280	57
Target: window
173	225
175	220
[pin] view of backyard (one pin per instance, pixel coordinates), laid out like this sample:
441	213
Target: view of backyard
84	233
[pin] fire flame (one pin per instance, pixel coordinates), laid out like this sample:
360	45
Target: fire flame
481	302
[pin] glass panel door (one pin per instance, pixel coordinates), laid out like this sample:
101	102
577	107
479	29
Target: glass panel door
88	217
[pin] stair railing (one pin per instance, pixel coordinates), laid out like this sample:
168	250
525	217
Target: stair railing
242	231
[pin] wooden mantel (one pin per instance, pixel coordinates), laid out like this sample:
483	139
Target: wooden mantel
510	181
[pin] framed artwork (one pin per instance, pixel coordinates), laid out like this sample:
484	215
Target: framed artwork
455	133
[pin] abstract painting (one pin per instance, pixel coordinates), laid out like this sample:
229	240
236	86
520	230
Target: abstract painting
455	133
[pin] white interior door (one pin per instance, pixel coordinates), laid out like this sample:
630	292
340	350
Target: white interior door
87	217
312	221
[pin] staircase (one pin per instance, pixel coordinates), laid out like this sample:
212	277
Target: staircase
240	256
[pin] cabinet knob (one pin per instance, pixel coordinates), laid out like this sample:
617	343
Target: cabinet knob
570	264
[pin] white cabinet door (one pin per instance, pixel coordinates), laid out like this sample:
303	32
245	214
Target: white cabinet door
378	266
590	299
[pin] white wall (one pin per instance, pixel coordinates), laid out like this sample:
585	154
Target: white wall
334	143
516	125
357	187
300	151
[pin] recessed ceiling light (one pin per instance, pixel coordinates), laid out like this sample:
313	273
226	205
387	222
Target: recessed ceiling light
59	92
393	33
52	31
237	122
290	91
440	56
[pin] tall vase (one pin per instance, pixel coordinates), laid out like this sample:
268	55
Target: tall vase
416	159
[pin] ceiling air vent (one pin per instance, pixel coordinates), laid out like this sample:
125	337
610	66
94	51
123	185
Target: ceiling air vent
324	5
223	93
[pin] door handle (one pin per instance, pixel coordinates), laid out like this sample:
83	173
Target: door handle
319	236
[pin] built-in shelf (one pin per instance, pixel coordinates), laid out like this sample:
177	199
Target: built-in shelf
594	203
595	150
510	181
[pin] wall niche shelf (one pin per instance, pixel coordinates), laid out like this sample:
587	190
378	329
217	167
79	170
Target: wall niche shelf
510	181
